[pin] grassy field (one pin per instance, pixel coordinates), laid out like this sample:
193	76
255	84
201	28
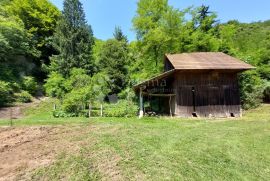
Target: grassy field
160	148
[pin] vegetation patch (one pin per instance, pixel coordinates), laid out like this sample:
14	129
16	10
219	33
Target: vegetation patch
68	167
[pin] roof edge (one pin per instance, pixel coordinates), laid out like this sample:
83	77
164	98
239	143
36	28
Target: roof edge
160	76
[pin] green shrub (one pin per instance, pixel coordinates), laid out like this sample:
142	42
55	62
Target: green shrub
76	100
23	97
251	89
6	93
15	87
95	113
73	107
121	109
54	85
30	85
62	114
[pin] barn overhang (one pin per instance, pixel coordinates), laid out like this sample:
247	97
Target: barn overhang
155	81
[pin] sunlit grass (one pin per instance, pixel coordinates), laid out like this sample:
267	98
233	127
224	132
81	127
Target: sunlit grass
166	149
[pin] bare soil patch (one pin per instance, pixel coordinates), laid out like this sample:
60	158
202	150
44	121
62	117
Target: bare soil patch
26	148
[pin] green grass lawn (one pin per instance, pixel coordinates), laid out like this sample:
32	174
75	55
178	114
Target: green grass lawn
162	148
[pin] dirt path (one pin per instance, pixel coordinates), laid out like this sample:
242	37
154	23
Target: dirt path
24	149
15	112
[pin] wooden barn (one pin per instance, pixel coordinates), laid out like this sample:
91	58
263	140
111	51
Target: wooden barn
194	85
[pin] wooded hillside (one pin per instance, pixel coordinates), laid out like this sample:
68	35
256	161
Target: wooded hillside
43	47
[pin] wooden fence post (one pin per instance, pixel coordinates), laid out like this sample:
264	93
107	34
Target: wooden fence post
11	118
90	107
101	110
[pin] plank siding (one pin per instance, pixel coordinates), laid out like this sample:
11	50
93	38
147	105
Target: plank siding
216	94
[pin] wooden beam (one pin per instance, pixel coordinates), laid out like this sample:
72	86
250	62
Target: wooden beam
158	95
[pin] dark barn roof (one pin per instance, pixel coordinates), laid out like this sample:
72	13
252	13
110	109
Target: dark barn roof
200	61
206	60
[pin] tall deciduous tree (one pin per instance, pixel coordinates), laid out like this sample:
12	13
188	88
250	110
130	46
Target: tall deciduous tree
74	40
39	18
158	27
15	45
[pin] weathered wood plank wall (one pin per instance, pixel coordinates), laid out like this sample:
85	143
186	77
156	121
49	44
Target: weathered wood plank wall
216	94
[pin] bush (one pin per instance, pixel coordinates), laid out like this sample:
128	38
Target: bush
121	109
54	86
30	85
62	114
75	101
95	113
73	107
6	93
251	89
23	97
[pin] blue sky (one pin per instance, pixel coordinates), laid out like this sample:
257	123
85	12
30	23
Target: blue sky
104	15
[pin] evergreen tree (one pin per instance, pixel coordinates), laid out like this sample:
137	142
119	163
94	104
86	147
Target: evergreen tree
74	40
112	61
203	18
119	35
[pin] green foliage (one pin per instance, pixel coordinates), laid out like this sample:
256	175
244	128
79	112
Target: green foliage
54	85
251	87
113	62
121	109
25	30
77	91
75	101
158	27
63	114
162	29
100	87
38	18
74	105
6	93
74	41
78	79
30	85
119	35
23	97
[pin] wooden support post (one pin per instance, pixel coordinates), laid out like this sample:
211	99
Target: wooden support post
54	106
141	104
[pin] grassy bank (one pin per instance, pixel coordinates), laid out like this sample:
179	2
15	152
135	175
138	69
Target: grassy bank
160	148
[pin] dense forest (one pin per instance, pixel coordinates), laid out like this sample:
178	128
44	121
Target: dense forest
46	51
